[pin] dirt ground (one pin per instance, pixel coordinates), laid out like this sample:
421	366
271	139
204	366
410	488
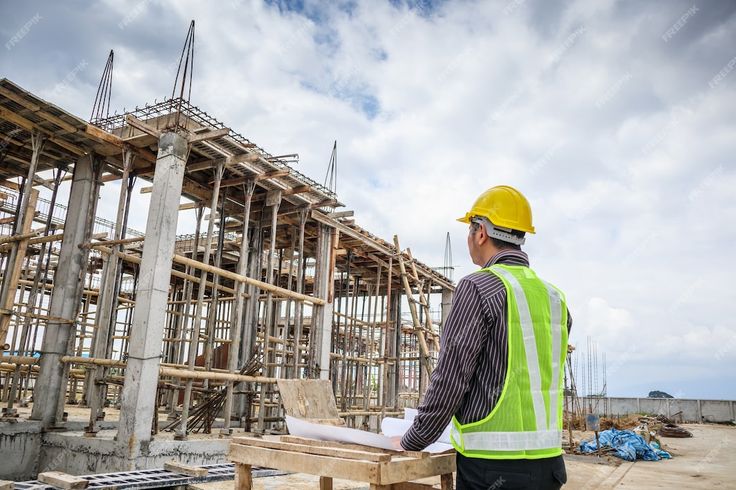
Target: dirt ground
707	460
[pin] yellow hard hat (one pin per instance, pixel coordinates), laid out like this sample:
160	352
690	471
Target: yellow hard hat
504	207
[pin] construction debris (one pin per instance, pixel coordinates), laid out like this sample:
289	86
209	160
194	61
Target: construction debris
626	445
674	430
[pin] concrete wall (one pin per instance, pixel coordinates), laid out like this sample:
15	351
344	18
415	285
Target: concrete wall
77	455
20	446
25	451
693	410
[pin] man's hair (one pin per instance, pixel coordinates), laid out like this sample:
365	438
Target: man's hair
500	244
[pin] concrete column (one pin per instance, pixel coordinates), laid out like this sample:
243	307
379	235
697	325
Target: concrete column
445	306
299	313
322	315
67	292
106	304
144	351
238	311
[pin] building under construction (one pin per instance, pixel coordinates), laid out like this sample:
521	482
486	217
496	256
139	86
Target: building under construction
168	344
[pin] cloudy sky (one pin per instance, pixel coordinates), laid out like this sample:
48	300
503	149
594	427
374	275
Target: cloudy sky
616	119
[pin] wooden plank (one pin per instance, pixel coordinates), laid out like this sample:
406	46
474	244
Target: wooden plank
408	485
188	205
300	189
215	133
312	449
271	174
38	111
312	464
62	480
407	469
446	482
343	445
141	126
308	398
341	214
30	126
7	485
243	477
185	469
325	483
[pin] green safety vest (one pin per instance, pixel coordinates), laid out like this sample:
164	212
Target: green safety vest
526	422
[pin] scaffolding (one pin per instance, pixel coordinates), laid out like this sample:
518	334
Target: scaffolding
273	283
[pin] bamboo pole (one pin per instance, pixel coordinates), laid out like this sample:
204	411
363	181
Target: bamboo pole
137	260
418	330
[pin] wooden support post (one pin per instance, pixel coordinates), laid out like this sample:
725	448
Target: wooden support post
446	482
15	267
181	432
418	330
299	314
424	302
238	311
23	223
243	477
274	200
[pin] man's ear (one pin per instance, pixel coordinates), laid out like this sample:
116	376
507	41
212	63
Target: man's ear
481	235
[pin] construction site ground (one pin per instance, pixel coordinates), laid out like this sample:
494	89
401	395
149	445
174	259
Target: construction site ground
707	460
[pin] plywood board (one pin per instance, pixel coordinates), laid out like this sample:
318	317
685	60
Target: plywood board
308	399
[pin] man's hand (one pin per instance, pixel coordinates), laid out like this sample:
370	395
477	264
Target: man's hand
396	443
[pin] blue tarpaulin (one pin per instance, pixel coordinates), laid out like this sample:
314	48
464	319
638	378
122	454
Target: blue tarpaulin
627	445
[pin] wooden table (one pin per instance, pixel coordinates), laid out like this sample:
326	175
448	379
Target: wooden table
383	469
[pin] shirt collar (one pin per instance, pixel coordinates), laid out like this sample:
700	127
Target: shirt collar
509	257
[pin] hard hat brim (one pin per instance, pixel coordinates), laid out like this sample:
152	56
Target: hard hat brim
465	219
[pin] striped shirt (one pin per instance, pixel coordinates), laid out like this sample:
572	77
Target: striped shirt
471	369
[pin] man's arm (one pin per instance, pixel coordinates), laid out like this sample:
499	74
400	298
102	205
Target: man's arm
462	339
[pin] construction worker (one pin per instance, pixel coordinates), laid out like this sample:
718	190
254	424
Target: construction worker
499	377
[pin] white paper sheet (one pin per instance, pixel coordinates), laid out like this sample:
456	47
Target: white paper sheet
304	428
397	427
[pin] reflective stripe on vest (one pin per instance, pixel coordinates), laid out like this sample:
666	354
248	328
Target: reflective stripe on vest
530	345
539	431
512	441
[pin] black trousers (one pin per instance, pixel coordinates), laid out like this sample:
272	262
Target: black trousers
508	474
